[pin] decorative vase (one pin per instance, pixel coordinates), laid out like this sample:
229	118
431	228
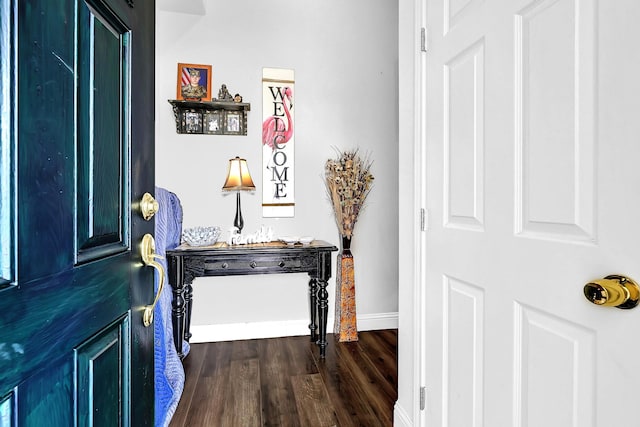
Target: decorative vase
345	327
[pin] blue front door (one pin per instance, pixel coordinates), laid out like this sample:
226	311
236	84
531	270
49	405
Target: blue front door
76	151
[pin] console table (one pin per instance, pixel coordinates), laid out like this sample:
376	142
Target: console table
185	263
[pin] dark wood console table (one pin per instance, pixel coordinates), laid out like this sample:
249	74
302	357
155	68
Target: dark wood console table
185	263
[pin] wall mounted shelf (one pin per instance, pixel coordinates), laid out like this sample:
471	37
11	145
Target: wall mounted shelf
210	118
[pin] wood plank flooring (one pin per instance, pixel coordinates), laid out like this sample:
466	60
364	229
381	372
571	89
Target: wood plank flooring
283	382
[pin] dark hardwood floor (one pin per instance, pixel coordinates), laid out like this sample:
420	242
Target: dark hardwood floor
283	382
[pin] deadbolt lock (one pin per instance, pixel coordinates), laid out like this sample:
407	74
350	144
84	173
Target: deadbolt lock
148	206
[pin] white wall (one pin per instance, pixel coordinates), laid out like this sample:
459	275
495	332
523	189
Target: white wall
345	57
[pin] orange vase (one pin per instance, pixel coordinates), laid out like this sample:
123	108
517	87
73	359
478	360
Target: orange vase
345	327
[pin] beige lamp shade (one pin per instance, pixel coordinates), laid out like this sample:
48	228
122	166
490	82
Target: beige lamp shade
238	176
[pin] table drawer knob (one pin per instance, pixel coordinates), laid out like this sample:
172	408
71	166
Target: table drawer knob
281	264
225	265
253	264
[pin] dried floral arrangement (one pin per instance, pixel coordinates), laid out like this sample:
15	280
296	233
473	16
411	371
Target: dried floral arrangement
348	181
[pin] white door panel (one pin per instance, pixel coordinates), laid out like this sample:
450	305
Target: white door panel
531	121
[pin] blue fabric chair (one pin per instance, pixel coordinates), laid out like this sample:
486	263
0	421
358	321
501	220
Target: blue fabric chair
168	371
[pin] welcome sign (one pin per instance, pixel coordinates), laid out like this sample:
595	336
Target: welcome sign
278	143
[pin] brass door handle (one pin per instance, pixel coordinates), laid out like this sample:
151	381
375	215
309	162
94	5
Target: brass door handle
148	206
613	291
148	252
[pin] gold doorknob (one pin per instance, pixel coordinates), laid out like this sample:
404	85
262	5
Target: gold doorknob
613	291
148	206
148	252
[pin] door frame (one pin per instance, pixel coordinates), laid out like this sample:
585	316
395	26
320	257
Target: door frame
411	16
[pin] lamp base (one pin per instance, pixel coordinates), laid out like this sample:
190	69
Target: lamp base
238	222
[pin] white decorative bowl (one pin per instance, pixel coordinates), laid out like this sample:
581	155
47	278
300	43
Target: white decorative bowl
305	240
290	240
201	236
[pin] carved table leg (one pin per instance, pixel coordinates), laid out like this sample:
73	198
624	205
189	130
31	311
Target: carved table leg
323	308
324	273
313	306
176	279
188	298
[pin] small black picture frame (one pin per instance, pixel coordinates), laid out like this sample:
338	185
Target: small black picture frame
192	122
233	123
213	122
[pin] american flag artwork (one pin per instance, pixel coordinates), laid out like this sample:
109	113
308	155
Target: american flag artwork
185	76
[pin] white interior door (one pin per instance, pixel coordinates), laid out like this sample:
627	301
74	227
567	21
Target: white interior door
531	127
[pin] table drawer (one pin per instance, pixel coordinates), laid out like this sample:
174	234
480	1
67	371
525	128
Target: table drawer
260	265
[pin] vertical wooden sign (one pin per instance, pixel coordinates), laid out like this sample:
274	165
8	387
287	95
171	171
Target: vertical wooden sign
278	143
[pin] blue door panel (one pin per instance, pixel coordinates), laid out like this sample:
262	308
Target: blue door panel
76	154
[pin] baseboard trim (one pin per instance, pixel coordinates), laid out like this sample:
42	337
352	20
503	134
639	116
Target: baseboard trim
400	417
284	328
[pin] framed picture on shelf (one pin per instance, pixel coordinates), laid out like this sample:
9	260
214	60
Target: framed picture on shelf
233	123
213	122
194	82
192	122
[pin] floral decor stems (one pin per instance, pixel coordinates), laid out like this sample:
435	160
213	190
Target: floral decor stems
348	181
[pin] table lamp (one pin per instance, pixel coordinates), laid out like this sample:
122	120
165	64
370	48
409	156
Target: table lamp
238	179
